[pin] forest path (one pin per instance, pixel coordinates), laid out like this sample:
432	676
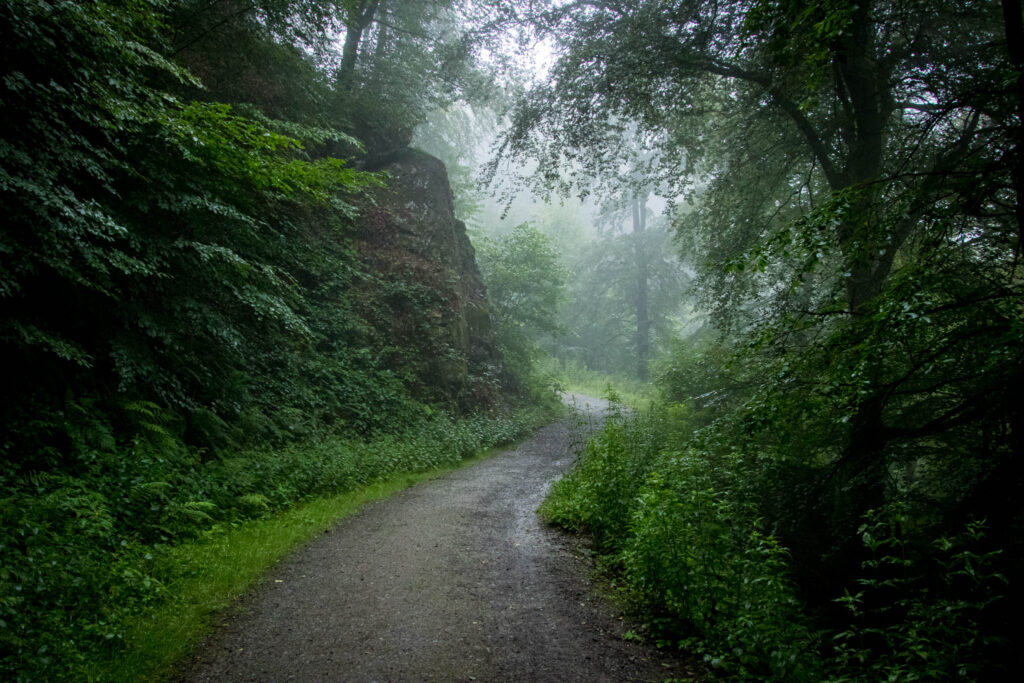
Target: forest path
452	580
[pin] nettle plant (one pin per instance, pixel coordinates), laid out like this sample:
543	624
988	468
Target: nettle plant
919	612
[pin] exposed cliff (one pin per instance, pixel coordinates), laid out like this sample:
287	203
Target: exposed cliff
427	293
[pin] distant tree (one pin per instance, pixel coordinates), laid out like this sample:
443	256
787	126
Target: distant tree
403	59
459	136
620	279
525	283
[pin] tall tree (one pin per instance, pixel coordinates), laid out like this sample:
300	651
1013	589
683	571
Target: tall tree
601	316
643	321
358	16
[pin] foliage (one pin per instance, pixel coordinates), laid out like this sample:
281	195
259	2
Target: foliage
855	225
153	244
600	310
170	247
908	625
599	493
181	292
690	548
525	283
457	136
413	57
574	376
677	520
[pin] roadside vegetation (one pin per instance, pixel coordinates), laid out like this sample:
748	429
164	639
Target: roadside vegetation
677	524
576	377
124	564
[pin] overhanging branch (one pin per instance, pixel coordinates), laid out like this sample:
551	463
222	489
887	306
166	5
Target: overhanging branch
788	107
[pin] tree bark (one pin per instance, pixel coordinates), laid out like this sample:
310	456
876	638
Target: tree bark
862	89
355	23
858	481
643	321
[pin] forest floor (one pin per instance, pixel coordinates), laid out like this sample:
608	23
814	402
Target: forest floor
456	579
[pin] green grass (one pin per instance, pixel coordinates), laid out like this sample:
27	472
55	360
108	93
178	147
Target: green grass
576	377
630	391
226	564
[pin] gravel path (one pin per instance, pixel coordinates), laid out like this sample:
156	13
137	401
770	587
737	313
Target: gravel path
452	580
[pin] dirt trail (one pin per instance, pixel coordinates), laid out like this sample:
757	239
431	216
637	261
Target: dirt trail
452	580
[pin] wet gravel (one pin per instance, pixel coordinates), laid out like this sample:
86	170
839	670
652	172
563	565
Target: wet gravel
455	579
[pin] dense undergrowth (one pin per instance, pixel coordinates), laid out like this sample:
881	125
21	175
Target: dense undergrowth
86	553
675	521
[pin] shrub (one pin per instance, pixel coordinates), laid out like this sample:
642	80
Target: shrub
696	554
690	547
599	493
918	617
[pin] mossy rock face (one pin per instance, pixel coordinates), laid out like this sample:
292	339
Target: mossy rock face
434	304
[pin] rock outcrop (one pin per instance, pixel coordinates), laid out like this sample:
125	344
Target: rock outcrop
429	286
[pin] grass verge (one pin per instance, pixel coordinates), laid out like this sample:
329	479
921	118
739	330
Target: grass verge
228	562
575	377
622	391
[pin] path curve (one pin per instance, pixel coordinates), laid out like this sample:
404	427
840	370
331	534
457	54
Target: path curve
455	579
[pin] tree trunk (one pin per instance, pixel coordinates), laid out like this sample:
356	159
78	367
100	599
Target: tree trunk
863	93
643	321
380	49
355	23
858	481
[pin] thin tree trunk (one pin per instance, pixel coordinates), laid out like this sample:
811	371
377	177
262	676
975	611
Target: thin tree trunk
381	47
643	321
